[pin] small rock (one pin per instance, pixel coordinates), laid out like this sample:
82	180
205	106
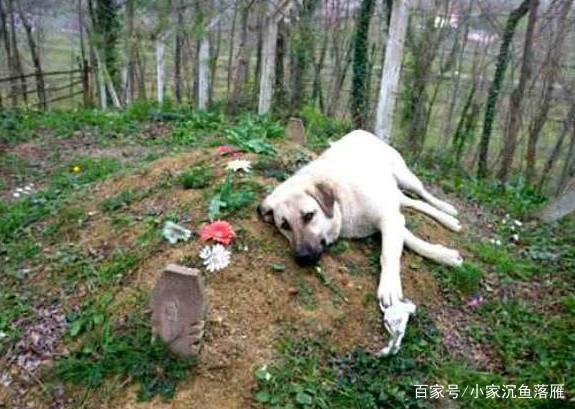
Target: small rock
292	291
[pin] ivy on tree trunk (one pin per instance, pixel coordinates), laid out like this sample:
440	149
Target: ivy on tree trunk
495	88
359	99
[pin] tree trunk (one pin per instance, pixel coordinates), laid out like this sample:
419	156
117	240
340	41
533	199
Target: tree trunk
391	68
7	48
359	100
495	88
204	73
560	207
554	157
568	165
552	62
516	100
128	74
268	65
178	52
241	73
302	51
34	53
17	61
160	67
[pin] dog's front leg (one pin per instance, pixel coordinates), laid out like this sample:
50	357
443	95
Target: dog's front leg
389	290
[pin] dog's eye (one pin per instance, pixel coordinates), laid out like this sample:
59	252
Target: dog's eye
308	216
285	225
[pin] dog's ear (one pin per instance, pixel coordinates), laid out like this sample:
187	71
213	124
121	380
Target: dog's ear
324	196
266	214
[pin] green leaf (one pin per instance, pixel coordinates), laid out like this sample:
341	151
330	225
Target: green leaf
263	396
279	267
304	399
263	374
75	328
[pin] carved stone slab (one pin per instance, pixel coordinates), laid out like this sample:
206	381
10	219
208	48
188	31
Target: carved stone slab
178	304
295	131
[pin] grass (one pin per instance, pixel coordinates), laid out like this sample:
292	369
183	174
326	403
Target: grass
197	178
125	353
309	373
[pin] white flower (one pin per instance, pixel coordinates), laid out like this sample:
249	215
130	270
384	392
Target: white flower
16	194
215	257
174	232
515	238
239	164
518	223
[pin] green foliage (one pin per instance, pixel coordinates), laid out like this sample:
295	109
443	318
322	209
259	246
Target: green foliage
196	178
119	201
340	247
503	260
310	374
465	280
515	198
230	200
320	129
125	352
14	306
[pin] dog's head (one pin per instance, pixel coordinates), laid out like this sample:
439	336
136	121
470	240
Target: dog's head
307	214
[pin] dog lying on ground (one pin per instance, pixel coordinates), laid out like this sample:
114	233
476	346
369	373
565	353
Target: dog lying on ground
353	190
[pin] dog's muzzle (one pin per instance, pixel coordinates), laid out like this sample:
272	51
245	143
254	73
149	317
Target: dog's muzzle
307	257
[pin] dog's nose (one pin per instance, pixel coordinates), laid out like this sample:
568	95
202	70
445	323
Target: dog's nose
306	258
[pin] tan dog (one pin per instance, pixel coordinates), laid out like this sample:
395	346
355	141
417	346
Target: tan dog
352	190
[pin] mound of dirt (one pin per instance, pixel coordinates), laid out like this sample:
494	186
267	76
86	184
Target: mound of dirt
253	302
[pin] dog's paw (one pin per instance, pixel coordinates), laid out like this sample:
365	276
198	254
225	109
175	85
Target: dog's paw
452	223
389	292
451	257
447	208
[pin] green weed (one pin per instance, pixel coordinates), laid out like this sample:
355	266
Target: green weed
125	352
197	178
119	201
230	199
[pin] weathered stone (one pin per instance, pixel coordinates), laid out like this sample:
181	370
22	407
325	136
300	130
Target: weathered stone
178	305
295	131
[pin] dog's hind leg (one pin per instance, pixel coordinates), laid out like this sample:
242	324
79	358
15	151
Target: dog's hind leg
407	180
435	252
447	220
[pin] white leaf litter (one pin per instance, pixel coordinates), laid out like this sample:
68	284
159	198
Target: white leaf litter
215	257
239	164
395	319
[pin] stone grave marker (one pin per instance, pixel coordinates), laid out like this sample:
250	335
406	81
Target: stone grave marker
178	304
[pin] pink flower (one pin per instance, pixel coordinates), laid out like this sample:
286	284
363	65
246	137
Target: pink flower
219	231
223	150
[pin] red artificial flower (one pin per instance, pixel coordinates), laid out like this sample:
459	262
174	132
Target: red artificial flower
219	231
223	150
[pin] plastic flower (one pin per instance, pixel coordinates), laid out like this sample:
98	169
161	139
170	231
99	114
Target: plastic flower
227	150
219	231
239	164
215	257
174	232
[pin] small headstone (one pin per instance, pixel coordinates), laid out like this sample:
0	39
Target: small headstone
295	131
178	305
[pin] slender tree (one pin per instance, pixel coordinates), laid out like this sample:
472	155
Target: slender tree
516	100
359	100
495	88
551	70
